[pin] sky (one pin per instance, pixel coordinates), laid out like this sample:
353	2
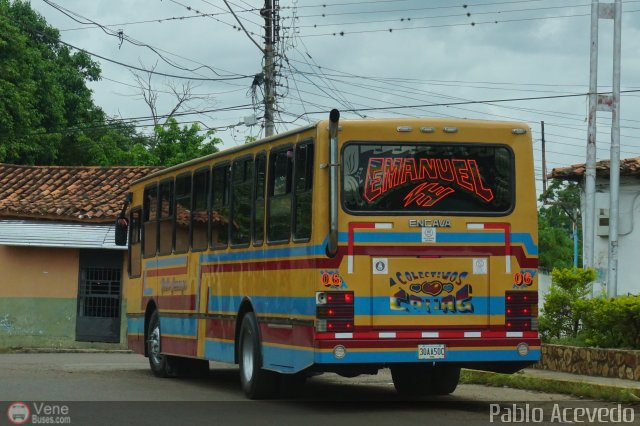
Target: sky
368	58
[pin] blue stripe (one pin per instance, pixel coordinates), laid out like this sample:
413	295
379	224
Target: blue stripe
169	261
371	237
300	251
412	356
219	351
286	360
266	304
135	325
178	326
483	305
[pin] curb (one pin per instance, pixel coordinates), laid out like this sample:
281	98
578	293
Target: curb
62	351
544	384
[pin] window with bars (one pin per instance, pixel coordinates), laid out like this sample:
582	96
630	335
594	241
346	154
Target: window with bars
100	292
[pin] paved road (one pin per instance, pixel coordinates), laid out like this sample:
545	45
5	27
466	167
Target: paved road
95	386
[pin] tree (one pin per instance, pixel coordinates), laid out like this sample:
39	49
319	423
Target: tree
561	206
174	144
45	103
48	116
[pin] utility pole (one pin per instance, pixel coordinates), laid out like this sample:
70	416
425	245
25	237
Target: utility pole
544	161
268	13
604	103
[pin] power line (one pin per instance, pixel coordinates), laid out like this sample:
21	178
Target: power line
240	77
471	24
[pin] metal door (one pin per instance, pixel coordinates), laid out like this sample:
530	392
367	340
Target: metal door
99	296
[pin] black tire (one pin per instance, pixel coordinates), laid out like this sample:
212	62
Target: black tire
445	379
291	385
257	383
161	365
412	379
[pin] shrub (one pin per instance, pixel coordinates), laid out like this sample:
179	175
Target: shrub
560	318
611	323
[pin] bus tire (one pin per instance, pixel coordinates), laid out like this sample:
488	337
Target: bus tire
161	365
257	383
292	385
412	379
444	380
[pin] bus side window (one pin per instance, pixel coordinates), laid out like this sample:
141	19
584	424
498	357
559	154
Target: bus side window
135	242
182	215
220	207
303	178
200	210
241	180
258	198
280	177
165	235
150	220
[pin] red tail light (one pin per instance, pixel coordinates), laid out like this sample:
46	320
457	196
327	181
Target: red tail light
521	310
334	311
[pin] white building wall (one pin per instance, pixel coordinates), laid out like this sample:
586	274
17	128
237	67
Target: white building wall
628	239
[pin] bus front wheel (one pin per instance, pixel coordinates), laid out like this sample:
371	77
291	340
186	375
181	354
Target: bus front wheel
161	365
257	383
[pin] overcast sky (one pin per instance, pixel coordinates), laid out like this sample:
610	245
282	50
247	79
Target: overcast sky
434	54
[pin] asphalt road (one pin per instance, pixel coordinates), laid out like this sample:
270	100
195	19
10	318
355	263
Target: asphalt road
117	389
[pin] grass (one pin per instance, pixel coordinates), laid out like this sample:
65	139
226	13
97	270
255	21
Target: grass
521	381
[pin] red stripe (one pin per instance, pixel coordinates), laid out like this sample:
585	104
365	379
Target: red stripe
441	328
166	272
221	329
136	343
506	227
413	343
298	335
179	346
352	228
178	302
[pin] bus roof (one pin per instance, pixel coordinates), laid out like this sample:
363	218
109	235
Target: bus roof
454	122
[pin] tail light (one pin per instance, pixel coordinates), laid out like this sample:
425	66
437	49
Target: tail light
521	310
334	311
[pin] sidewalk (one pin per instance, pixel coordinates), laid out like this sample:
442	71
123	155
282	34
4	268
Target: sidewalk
605	388
577	378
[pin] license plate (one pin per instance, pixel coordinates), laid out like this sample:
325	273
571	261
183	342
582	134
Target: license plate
432	351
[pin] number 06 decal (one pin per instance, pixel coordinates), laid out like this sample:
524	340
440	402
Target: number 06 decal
520	278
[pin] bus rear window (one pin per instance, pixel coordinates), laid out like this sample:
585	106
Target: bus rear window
428	178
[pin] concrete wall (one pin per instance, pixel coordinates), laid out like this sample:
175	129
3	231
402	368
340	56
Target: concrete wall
38	298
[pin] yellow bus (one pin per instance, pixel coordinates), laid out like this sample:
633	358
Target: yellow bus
346	246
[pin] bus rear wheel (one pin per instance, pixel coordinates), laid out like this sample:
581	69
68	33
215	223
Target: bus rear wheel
412	379
257	383
161	365
444	380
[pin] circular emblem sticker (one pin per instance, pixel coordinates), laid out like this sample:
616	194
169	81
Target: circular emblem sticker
18	413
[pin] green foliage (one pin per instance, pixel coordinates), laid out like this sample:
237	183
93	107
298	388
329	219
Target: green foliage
48	116
44	93
610	322
569	317
560	317
555	224
174	144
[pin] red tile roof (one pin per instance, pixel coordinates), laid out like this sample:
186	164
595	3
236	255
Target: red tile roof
77	194
628	167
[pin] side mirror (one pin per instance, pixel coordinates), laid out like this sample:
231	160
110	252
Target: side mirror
122	227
